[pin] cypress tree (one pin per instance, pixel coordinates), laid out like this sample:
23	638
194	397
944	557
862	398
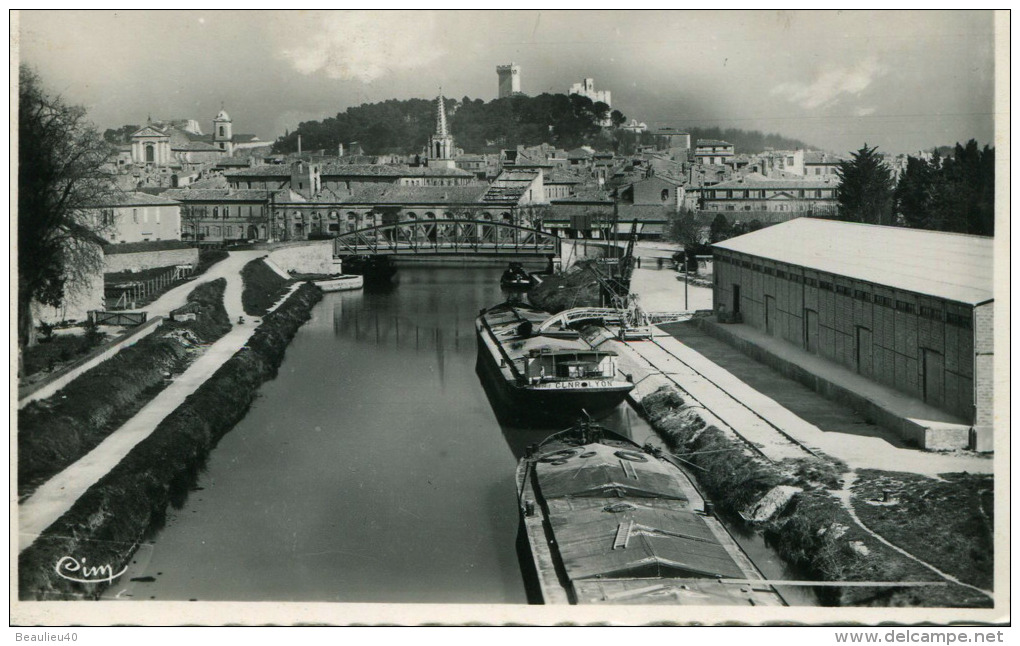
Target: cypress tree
866	190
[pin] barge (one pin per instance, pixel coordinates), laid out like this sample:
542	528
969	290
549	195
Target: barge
340	282
373	268
516	277
556	375
611	522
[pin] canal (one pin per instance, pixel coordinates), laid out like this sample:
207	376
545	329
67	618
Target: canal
372	469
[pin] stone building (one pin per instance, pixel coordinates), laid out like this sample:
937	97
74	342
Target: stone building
757	193
181	142
509	79
338	176
712	151
220	216
587	88
139	217
909	309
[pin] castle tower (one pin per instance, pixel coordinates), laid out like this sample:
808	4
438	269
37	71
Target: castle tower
441	143
509	79
223	132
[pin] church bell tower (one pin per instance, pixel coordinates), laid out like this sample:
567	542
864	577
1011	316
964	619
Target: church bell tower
441	148
223	132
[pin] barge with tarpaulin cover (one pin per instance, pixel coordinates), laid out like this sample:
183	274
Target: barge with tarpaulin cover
608	521
557	373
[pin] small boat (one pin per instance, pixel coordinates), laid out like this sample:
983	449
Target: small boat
340	282
373	268
539	375
611	522
516	277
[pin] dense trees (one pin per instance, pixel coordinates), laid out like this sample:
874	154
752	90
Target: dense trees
865	193
404	126
120	135
955	193
60	155
567	121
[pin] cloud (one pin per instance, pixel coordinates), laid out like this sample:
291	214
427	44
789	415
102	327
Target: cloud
863	112
832	85
358	45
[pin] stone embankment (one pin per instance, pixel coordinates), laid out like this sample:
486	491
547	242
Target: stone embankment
106	524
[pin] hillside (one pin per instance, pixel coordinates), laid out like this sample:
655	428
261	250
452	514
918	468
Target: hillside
404	126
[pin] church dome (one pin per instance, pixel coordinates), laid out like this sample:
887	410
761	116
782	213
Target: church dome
222	116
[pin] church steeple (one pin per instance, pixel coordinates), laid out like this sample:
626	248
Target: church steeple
441	149
440	115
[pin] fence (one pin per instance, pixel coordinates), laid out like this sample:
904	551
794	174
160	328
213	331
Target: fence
126	319
138	291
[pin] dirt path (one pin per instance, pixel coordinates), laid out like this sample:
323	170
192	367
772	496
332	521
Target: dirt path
844	497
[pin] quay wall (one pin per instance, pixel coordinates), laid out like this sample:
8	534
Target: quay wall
108	522
142	260
314	257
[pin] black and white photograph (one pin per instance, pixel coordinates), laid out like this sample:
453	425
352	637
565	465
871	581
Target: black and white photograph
530	317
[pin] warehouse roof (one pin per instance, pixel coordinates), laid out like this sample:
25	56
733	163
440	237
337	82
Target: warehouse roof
950	266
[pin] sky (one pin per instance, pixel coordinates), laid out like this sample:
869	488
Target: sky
904	81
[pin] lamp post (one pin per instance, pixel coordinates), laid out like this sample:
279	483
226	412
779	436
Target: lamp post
685	281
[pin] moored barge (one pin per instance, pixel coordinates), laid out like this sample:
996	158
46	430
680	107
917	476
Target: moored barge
556	376
610	522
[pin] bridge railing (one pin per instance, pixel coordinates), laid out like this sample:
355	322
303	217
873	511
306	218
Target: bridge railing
447	236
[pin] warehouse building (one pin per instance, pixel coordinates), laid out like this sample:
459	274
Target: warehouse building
907	308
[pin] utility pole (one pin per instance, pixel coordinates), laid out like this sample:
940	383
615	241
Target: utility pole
686	308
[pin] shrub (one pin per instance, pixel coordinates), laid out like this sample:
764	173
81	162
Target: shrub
262	287
56	432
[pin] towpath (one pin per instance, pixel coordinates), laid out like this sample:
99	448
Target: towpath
769	424
57	495
807	418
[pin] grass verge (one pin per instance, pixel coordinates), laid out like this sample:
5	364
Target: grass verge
106	524
909	510
57	431
262	287
814	531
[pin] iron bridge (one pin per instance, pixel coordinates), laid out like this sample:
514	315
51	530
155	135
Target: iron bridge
447	237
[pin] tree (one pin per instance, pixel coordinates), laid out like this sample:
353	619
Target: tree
720	229
865	193
617	118
60	159
683	228
956	194
913	194
120	135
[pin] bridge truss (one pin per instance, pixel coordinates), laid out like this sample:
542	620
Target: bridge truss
447	237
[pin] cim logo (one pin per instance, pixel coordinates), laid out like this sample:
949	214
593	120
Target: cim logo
71	569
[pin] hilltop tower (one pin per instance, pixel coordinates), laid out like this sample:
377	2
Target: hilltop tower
509	79
441	143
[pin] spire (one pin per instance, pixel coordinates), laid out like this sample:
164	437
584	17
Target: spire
440	115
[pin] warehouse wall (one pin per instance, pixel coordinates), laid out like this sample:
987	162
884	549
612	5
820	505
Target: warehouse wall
920	345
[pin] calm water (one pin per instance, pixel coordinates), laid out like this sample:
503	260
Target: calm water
373	468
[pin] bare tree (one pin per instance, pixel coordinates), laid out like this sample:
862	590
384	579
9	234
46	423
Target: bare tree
61	180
